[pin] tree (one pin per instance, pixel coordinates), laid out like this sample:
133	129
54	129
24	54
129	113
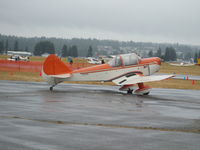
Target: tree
64	51
90	54
195	57
73	51
6	46
188	56
1	47
44	47
150	54
16	46
199	54
159	52
170	54
26	48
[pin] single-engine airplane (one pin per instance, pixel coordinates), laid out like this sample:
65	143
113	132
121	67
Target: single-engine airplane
124	70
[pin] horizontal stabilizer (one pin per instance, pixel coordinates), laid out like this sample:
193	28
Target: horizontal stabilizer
61	76
140	79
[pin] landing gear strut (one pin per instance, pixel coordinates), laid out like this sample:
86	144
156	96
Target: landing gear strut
143	90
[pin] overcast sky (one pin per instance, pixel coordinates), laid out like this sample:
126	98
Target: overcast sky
138	20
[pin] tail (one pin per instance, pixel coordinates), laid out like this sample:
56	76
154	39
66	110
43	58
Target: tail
54	66
55	71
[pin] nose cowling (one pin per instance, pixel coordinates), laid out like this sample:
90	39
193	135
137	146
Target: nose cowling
156	60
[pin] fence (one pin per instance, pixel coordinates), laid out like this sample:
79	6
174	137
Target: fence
27	66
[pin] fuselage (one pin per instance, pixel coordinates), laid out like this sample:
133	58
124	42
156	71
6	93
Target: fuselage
120	66
105	72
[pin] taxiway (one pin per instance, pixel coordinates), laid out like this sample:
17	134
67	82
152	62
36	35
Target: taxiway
85	117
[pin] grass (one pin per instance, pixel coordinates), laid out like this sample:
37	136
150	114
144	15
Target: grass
4	57
185	70
39	58
20	76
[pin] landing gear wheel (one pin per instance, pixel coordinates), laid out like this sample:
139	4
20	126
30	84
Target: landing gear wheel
146	93
51	88
129	91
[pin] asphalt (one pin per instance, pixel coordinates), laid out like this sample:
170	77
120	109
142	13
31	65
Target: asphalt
89	117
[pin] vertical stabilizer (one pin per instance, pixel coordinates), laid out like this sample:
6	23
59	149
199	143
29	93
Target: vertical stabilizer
54	66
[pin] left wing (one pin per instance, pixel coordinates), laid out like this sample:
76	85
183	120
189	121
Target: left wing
139	79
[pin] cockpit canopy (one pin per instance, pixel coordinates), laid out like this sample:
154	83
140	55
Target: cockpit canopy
125	60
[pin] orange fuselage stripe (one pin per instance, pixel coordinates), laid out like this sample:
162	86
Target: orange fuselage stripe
107	67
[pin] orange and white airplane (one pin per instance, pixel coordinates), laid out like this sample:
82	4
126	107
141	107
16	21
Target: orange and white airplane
124	70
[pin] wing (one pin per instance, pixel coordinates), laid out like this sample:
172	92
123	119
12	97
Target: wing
139	79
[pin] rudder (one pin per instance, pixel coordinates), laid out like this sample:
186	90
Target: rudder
54	66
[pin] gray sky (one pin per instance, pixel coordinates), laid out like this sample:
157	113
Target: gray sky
137	20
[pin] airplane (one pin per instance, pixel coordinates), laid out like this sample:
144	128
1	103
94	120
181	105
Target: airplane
91	60
182	64
124	70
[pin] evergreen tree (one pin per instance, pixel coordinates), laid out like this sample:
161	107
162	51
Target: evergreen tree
6	46
173	54
26	48
150	54
44	47
70	51
170	54
74	51
195	57
188	56
16	46
159	52
167	54
64	51
90	53
1	47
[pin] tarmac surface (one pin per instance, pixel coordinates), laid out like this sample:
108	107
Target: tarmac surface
89	117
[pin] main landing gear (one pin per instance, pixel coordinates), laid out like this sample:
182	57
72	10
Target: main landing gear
129	91
51	88
143	90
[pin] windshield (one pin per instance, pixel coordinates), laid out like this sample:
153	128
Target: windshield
125	59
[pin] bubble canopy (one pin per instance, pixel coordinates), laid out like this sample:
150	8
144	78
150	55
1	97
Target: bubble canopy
125	60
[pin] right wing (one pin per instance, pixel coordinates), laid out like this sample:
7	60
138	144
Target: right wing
139	79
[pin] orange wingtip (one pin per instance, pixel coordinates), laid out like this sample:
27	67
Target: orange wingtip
54	66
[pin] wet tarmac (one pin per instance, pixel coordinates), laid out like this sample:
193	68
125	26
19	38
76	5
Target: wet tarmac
88	117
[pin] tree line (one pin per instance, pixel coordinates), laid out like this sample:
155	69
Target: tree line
92	47
48	47
170	54
28	44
